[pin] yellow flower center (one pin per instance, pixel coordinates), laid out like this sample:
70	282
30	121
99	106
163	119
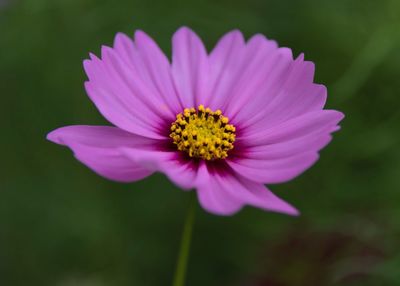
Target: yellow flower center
203	133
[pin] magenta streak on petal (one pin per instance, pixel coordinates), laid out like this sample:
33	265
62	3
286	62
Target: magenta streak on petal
281	153
181	172
212	195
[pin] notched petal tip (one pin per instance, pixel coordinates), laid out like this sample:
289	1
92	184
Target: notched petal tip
310	64
93	56
334	115
293	212
275	204
140	34
120	37
340	115
262	38
300	57
143	41
54	137
184	29
185	32
123	43
87	63
105	50
235	33
286	52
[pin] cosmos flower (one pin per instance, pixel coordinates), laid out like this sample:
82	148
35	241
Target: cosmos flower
224	123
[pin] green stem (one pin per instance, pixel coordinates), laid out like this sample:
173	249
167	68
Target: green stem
180	272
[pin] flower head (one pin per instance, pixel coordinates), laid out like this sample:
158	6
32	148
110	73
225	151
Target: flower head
223	123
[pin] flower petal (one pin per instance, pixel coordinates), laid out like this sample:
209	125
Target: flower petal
152	67
283	152
319	122
291	94
309	142
132	85
212	194
273	171
225	61
180	171
189	67
259	66
98	148
224	193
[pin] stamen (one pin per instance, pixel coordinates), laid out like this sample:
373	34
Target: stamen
203	133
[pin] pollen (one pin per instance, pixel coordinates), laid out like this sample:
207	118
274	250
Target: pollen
203	133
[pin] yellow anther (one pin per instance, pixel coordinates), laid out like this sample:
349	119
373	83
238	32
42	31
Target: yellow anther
203	133
224	119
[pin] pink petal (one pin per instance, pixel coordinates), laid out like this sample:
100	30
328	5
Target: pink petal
238	71
310	142
132	86
189	67
226	61
181	172
152	67
223	193
281	153
273	171
212	194
98	148
321	122
290	94
261	68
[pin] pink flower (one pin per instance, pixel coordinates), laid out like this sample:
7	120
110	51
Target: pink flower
223	123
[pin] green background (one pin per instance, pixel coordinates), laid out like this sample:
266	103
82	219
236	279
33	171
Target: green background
60	224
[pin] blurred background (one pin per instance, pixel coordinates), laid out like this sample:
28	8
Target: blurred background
62	225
